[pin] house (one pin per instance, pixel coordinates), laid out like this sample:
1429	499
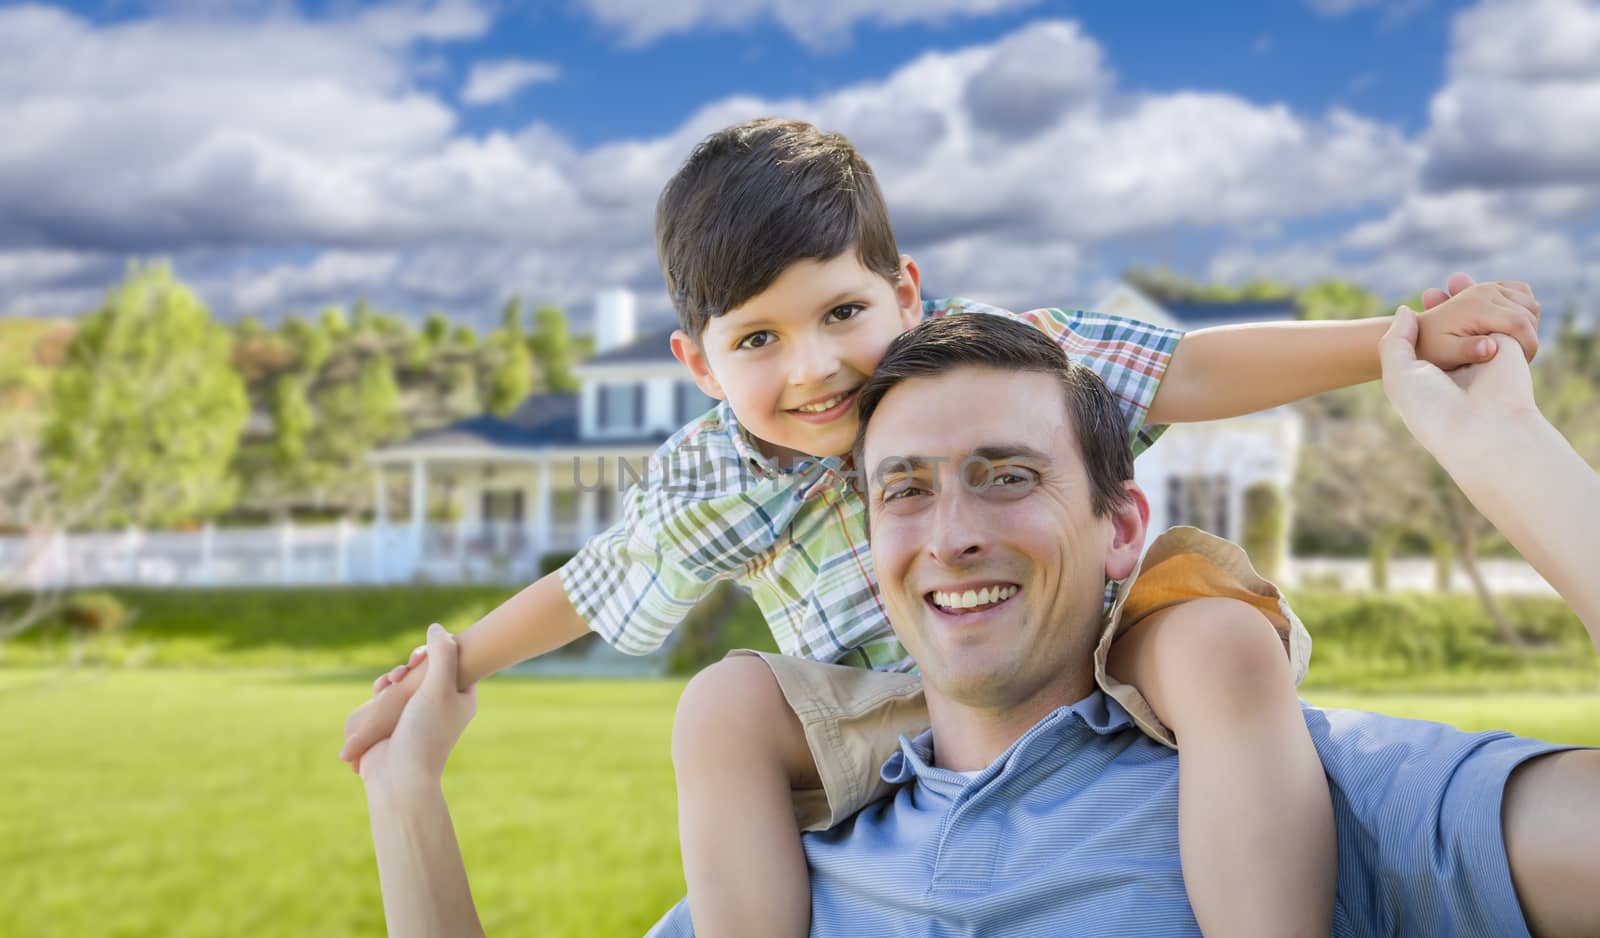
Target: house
524	489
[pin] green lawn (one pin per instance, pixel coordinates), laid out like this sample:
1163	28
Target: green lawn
186	802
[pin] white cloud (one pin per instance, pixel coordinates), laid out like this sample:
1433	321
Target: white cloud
496	81
1394	11
1522	96
815	23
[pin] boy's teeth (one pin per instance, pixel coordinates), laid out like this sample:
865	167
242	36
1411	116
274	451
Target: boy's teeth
819	408
971	599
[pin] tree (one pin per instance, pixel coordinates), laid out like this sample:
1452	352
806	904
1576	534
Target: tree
146	398
311	342
1339	299
552	347
436	328
511	317
292	420
512	377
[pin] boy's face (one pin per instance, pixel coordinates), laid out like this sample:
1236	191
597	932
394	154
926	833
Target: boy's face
791	359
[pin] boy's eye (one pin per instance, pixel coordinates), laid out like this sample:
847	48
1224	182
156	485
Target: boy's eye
842	313
757	340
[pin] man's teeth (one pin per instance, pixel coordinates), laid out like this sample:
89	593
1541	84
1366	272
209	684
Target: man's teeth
825	405
973	598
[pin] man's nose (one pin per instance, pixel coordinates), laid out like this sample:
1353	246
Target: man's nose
959	535
814	363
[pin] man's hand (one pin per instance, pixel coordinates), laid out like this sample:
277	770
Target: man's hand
431	723
376	719
1444	410
1456	328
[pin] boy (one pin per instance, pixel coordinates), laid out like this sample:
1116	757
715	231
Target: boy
778	254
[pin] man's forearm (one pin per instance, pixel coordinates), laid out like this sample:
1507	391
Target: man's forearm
1538	492
1227	371
420	870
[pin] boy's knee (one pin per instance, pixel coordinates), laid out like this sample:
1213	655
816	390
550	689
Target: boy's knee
730	704
1231	648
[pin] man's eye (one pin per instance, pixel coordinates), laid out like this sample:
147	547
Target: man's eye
1013	478
755	340
842	313
895	494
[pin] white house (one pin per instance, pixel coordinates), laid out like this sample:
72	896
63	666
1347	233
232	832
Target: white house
544	479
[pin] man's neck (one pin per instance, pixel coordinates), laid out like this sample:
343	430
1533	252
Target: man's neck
968	736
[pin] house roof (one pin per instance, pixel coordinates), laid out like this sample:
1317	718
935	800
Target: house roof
540	421
1196	314
651	348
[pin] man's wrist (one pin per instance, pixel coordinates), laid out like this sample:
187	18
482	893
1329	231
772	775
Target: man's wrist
1488	446
403	791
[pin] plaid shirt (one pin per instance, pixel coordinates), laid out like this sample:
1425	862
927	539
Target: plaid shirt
711	507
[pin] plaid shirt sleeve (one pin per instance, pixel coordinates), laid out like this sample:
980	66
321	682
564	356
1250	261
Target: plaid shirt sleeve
625	583
678	537
1130	356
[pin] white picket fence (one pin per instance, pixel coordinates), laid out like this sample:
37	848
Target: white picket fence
287	554
296	555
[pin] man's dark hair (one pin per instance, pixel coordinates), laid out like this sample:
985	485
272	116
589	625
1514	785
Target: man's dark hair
942	345
753	199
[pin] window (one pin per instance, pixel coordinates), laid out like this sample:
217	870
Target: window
621	407
1201	501
503	505
691	402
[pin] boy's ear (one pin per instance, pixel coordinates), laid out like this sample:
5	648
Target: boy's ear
908	292
688	351
1129	521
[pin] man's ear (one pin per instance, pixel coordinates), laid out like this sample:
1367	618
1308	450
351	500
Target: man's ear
688	351
908	292
1129	520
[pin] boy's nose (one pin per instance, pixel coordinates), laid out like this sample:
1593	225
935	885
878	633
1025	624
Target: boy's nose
814	365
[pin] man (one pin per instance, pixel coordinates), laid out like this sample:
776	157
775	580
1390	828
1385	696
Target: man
1032	806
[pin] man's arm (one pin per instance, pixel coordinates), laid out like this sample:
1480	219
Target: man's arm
1482	426
1227	371
420	869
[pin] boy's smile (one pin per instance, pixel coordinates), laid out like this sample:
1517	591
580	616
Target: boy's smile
790	360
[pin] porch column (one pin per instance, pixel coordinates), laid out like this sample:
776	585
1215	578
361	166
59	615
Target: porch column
587	510
541	510
380	499
419	502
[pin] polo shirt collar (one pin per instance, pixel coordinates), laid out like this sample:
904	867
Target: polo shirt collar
1097	714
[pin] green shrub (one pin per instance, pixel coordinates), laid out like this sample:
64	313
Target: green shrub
1265	530
97	612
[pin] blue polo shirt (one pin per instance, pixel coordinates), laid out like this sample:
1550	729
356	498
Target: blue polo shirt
1074	831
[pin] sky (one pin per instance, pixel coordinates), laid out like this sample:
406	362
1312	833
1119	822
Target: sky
444	154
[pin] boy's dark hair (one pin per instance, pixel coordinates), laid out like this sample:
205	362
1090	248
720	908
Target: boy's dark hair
942	345
754	198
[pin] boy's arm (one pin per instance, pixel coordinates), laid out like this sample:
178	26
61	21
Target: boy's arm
1227	371
538	619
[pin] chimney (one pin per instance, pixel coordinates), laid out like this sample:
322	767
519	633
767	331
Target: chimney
614	315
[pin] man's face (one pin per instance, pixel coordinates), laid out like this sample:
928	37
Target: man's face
1027	541
790	360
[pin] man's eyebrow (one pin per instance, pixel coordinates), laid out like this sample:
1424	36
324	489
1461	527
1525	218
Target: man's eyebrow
1005	451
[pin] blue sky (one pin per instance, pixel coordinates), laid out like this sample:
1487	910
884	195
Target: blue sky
445	154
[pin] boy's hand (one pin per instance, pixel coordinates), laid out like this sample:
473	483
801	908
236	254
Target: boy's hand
375	720
430	724
1456	329
1445	411
398	673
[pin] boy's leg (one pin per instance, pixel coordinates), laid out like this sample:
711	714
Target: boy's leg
739	751
1255	819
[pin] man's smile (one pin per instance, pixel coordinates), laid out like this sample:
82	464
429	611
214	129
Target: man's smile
966	600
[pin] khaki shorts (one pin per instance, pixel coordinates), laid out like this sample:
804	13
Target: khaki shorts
854	718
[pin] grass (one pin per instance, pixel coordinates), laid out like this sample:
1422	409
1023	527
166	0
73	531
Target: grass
187	802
